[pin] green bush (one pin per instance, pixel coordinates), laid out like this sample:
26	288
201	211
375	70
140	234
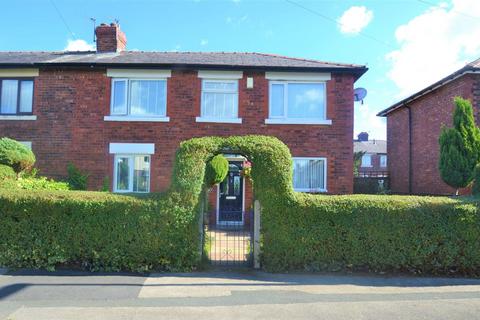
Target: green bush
375	233
41	183
76	178
216	170
16	155
6	173
93	230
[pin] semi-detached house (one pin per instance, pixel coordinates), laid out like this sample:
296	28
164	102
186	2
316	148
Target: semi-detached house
120	115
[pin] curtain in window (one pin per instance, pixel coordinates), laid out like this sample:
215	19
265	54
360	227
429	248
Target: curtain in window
9	96
141	174
306	100
26	96
220	99
308	174
148	97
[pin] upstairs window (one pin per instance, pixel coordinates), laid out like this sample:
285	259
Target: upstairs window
366	160
310	174
219	99
297	102
383	160
139	98
16	96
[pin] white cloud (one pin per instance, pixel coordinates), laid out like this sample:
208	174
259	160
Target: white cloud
434	44
79	45
366	120
355	19
203	42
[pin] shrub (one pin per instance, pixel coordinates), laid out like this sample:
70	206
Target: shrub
459	147
94	230
476	180
41	183
6	173
16	155
76	178
216	170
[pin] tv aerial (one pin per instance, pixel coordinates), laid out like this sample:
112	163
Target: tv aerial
359	94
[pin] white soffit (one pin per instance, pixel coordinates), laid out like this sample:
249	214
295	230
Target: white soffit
139	73
19	72
132	148
222	75
298	76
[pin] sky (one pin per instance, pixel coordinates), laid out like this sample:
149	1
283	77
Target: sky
406	44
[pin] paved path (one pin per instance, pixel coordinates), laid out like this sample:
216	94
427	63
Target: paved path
221	295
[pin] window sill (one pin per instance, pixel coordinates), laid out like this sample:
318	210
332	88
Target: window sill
18	117
136	119
219	120
297	121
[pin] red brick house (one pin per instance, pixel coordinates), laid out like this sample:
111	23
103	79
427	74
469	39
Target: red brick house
121	114
413	129
374	159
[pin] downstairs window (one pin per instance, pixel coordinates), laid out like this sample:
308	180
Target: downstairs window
310	174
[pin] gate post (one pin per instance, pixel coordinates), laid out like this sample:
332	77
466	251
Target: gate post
256	234
200	224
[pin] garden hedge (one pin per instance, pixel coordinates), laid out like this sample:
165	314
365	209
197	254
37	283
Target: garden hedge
93	231
299	231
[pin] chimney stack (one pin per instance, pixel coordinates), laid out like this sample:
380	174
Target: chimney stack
363	136
110	38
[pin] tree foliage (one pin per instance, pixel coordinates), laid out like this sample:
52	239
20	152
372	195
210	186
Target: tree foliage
459	146
216	170
16	155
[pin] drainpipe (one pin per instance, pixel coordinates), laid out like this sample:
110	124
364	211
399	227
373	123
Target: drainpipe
410	143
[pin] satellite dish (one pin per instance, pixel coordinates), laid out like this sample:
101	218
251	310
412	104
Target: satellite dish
359	94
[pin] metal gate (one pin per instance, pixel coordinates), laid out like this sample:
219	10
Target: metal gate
229	244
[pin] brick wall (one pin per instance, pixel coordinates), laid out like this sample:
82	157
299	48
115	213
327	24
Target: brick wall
429	113
71	103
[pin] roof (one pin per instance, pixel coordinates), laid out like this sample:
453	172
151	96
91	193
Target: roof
243	60
473	66
370	146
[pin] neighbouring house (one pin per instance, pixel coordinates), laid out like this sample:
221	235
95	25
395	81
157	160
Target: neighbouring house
413	128
121	114
374	159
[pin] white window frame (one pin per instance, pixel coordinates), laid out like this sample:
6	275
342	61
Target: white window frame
325	167
366	166
383	164
285	119
128	116
204	118
131	163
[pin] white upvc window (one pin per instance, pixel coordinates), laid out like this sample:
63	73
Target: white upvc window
219	101
131	173
383	160
138	99
297	102
310	174
366	160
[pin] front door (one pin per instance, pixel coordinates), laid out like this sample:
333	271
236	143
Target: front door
231	195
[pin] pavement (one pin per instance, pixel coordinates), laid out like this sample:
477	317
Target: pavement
241	294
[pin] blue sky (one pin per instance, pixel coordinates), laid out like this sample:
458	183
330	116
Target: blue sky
407	44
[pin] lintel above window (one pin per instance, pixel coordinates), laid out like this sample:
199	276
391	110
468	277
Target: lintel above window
298	76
